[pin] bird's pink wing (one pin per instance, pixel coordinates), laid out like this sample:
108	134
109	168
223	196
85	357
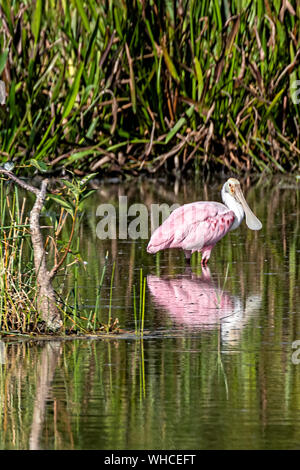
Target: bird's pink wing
192	226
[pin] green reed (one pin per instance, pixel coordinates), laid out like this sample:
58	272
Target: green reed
18	287
139	86
139	319
111	296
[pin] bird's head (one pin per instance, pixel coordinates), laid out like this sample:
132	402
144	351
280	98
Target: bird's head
232	187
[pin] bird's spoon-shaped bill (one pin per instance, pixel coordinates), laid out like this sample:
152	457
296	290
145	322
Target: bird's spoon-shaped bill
251	220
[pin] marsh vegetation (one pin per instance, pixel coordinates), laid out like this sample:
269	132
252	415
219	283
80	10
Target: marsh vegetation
177	94
135	87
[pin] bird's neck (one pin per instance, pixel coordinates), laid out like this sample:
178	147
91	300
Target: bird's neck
235	207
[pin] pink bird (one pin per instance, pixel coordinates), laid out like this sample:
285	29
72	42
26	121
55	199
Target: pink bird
198	226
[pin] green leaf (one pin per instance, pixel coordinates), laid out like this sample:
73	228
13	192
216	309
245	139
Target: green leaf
36	20
58	85
3	58
85	20
277	97
79	155
217	13
179	124
87	178
118	22
73	92
45	135
170	65
199	76
46	73
92	40
131	79
62	202
83	198
41	166
73	187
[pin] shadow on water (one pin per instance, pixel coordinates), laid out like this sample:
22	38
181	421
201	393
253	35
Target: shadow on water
216	370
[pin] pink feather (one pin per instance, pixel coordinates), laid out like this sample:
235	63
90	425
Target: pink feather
193	227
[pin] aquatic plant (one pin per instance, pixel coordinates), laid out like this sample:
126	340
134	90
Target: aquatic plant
140	319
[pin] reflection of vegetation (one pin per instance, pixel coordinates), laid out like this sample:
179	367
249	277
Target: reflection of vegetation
130	86
104	395
219	292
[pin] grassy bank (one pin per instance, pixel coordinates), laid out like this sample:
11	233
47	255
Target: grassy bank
133	86
20	311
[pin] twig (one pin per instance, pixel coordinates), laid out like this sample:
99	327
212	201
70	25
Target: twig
55	268
20	182
289	68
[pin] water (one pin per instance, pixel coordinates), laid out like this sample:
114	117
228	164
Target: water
215	369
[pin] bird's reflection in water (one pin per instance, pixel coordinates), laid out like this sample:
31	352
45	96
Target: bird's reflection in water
197	302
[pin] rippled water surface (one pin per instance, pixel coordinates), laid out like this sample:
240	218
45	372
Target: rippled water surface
217	367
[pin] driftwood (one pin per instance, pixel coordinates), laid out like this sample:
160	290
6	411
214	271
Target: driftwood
46	301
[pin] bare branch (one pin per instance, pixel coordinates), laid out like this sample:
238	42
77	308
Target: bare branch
20	182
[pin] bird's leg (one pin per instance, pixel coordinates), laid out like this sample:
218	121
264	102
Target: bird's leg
206	255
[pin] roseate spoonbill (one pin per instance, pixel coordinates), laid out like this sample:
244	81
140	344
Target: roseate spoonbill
198	226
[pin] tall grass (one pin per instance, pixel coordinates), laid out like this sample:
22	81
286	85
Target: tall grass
18	284
137	86
18	290
139	319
